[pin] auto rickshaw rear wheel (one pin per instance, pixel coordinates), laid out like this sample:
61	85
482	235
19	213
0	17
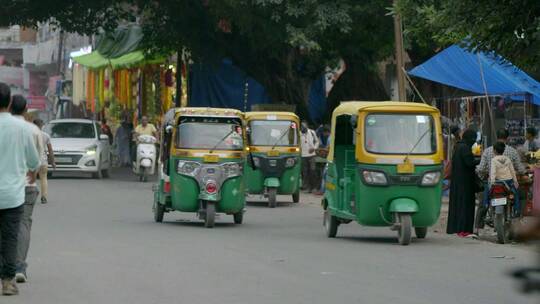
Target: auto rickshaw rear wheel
404	231
238	217
159	210
420	232
296	197
272	197
210	216
331	224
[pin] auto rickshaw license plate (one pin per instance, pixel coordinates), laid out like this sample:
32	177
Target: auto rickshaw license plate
273	153
405	168
498	201
210	158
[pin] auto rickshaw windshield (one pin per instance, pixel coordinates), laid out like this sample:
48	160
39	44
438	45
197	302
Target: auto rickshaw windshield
281	133
209	135
400	134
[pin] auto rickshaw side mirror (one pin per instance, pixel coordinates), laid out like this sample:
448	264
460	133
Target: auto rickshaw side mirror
168	129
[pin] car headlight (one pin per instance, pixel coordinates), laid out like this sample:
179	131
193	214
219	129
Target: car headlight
375	178
431	178
91	150
232	169
188	167
290	162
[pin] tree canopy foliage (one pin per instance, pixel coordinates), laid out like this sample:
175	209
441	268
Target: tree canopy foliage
510	27
283	44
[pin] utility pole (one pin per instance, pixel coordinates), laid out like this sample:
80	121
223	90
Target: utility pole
398	35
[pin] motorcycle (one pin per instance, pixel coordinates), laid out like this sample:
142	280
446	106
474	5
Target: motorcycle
501	203
145	162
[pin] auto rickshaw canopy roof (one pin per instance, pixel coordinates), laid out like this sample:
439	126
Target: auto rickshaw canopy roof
271	115
354	107
358	107
222	112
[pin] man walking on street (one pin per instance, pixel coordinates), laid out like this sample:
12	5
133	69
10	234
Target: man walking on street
47	157
19	156
310	142
18	109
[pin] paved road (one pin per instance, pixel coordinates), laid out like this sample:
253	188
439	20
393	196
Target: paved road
96	242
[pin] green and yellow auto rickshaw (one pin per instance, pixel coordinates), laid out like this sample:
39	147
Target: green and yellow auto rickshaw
203	170
384	167
273	165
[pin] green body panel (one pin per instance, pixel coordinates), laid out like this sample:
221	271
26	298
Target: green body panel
186	193
403	205
271	182
289	182
351	199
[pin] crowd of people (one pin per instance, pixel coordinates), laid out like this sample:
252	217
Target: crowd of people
470	175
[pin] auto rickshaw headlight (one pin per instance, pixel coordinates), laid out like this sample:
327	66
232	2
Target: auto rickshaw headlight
290	162
375	178
188	167
232	169
431	178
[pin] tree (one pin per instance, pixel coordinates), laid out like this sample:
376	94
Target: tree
510	28
284	45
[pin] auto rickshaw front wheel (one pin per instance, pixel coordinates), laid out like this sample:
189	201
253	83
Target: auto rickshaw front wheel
238	217
210	216
405	227
272	197
420	232
296	197
159	211
331	224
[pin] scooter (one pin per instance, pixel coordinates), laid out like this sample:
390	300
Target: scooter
145	162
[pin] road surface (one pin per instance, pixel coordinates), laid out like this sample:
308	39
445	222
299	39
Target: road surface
96	242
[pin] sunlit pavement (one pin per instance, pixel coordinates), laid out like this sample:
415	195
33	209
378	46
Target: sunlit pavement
96	242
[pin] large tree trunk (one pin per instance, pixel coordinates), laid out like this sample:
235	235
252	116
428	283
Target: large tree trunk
359	82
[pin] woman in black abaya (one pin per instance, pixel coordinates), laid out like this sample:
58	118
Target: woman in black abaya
462	188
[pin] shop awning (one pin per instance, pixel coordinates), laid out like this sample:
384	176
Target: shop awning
457	67
121	49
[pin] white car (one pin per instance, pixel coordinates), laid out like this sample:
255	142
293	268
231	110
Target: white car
79	146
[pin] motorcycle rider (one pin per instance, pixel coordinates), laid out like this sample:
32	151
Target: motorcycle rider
484	168
502	171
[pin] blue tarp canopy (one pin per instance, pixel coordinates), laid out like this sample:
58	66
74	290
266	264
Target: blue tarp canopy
457	67
224	87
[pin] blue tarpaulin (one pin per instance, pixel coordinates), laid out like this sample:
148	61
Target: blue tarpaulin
457	67
225	87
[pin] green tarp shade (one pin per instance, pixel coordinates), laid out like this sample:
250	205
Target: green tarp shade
122	41
95	60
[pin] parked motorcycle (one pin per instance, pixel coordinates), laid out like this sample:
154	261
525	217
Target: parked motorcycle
501	200
145	162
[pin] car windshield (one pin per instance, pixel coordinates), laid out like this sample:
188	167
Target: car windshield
70	130
208	135
273	132
398	134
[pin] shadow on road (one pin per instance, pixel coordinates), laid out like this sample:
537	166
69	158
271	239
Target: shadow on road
199	224
263	204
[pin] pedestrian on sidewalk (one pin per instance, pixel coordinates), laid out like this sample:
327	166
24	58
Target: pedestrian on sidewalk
462	189
20	159
123	143
310	142
47	157
18	110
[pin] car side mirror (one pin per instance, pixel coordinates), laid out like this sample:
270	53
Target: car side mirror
103	137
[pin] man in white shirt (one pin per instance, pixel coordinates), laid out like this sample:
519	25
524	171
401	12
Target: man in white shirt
46	158
18	109
310	142
19	156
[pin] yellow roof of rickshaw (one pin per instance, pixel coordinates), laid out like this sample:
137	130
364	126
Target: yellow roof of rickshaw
264	115
198	111
353	107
